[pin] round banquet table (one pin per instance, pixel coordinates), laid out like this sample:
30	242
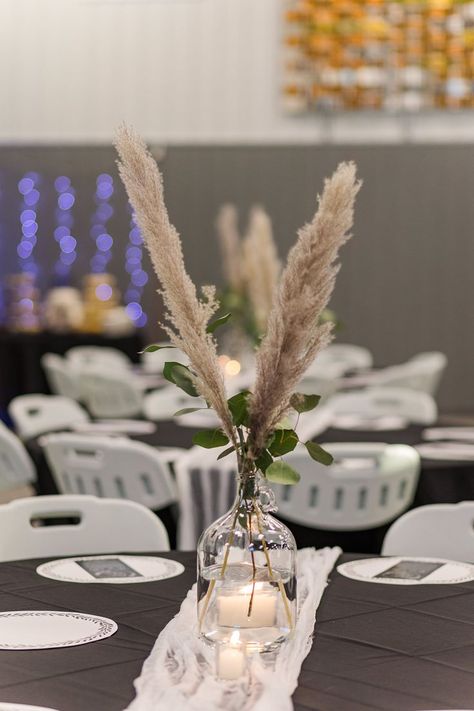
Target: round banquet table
20	357
376	647
440	481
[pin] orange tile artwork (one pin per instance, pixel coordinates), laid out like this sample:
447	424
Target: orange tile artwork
408	55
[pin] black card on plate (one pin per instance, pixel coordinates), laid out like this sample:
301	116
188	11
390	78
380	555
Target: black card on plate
108	568
410	570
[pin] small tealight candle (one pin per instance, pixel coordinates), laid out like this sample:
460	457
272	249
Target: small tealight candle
233	609
230	659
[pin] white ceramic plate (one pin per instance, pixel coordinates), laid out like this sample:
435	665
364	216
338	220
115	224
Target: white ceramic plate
48	629
116	426
202	418
455	451
372	424
109	569
446	572
7	706
462	434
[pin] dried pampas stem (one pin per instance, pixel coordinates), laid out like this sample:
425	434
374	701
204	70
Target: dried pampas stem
294	335
261	266
187	315
229	242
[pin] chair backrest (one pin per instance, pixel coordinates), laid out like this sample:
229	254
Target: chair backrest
16	467
437	531
80	356
154	362
349	356
109	467
61	376
33	415
110	394
321	380
416	407
366	486
101	526
206	490
162	404
423	372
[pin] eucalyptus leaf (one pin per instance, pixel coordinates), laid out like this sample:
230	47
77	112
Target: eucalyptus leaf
211	327
180	375
210	438
155	347
225	453
264	460
238	406
318	453
304	403
188	410
282	473
283	442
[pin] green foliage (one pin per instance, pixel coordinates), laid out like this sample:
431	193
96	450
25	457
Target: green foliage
156	347
284	441
188	410
210	438
318	453
304	403
226	452
282	473
180	375
264	460
218	322
238	406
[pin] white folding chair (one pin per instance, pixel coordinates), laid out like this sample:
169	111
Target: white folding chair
109	467
206	490
348	356
62	377
436	531
368	484
110	394
321	380
16	467
33	415
153	362
162	404
97	526
415	406
102	356
423	372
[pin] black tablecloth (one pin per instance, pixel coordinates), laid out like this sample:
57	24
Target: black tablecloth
439	482
376	648
20	357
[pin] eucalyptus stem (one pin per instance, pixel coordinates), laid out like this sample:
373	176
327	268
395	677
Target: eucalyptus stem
281	587
222	571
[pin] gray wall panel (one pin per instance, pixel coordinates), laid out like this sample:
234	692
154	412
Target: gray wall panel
406	284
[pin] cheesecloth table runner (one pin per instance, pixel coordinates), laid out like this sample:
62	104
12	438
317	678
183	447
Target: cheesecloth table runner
180	671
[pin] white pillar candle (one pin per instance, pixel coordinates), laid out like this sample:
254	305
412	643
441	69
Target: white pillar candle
233	609
230	659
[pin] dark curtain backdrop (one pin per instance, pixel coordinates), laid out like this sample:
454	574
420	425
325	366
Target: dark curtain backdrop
406	284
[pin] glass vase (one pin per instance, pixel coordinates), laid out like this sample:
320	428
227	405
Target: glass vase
247	573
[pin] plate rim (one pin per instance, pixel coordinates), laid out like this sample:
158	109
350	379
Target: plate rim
43	570
107	628
400	581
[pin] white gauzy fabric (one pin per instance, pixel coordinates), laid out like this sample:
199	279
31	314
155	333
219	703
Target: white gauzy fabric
180	671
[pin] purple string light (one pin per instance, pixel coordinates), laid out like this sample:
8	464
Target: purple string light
66	197
103	241
138	276
30	195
